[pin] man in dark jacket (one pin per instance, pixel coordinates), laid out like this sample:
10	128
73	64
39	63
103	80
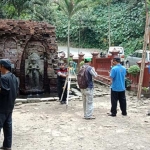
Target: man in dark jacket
61	78
8	93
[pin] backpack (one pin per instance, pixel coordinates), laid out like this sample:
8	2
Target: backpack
82	78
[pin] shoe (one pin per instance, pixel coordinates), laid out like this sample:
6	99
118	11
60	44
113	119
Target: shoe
90	118
63	102
5	148
58	100
124	114
112	115
148	114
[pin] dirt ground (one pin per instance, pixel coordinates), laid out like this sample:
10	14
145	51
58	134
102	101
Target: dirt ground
50	126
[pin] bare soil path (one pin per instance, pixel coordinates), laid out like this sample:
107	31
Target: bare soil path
50	126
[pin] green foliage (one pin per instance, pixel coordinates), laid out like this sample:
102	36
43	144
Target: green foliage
145	89
134	70
43	11
69	8
81	63
20	9
128	82
2	15
132	45
127	27
89	26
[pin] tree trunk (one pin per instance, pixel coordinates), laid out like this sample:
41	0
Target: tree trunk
18	14
109	32
68	42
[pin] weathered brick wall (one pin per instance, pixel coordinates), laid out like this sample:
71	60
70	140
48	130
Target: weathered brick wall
20	39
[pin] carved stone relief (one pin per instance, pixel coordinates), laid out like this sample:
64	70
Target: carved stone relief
31	47
34	69
34	66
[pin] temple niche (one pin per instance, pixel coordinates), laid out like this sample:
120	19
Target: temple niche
34	72
31	47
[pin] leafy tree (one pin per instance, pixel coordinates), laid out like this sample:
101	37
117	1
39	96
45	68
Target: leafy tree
70	8
2	15
17	7
127	20
43	12
108	3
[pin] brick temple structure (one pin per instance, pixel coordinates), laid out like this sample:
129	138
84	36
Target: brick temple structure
32	49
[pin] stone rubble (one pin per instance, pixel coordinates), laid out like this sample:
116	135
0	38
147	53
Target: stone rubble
74	95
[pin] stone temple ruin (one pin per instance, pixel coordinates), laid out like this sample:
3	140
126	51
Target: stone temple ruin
32	49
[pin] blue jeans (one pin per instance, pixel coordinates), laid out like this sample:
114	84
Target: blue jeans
6	124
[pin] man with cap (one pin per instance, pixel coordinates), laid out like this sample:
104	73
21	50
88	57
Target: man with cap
117	75
61	78
87	94
8	93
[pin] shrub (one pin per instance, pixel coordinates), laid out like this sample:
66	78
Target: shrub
134	70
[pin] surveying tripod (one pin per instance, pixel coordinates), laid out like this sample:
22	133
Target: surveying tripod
71	75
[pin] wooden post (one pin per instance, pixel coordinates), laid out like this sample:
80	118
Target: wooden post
146	35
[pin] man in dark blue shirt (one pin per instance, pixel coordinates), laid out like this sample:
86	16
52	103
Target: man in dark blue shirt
117	75
8	93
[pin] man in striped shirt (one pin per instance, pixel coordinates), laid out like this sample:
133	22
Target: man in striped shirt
87	94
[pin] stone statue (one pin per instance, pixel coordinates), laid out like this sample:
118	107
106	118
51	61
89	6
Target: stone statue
33	71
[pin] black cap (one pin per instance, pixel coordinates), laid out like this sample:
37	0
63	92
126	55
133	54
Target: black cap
6	63
117	59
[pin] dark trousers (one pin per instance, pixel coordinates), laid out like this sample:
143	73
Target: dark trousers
6	124
60	85
115	96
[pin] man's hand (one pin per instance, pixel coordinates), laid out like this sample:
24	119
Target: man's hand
110	82
112	63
